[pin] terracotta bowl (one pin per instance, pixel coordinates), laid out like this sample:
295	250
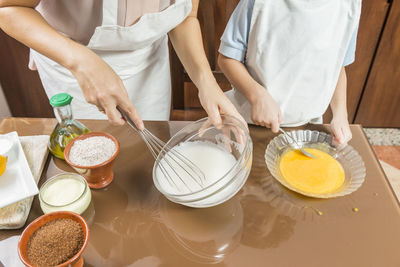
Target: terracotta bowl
97	176
75	261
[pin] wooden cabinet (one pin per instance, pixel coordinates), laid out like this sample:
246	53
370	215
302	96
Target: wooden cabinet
372	20
371	24
380	102
22	87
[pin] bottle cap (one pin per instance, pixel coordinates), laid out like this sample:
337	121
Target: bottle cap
60	100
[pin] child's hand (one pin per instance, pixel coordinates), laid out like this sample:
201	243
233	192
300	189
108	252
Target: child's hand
341	130
264	109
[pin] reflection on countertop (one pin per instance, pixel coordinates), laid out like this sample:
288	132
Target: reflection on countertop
202	235
264	226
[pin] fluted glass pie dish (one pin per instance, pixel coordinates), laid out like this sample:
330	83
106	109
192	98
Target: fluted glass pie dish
350	160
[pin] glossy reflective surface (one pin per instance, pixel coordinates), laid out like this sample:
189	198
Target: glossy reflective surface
131	223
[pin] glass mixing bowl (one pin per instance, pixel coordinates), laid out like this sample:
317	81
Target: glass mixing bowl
233	137
348	157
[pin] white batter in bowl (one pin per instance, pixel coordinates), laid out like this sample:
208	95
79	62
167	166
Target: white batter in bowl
224	156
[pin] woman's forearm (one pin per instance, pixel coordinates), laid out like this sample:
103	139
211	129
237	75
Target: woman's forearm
187	41
338	101
22	22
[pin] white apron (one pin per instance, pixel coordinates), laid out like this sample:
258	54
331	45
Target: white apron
138	54
296	50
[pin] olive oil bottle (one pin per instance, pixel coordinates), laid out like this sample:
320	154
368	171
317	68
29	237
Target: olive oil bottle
67	128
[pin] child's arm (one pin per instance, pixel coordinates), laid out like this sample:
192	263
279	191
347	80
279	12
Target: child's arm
187	42
264	110
340	124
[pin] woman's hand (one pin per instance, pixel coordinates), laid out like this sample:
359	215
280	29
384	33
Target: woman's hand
216	104
264	109
102	87
340	130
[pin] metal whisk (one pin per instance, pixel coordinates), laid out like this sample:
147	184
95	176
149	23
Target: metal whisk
171	156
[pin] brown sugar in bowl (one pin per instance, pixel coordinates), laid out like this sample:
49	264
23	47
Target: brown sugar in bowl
100	175
76	260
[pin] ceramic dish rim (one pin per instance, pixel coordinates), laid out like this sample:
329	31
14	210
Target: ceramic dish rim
85	136
57	215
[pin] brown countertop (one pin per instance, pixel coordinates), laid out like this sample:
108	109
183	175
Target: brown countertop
132	224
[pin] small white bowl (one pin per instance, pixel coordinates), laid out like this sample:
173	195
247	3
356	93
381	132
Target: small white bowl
78	204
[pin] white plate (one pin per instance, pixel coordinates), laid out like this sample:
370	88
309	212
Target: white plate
17	182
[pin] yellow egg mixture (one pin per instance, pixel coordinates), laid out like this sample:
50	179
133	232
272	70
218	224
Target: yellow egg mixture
321	175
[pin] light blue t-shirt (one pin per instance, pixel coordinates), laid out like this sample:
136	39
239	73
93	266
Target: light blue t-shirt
236	35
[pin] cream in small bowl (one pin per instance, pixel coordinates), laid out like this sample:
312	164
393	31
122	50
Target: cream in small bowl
65	192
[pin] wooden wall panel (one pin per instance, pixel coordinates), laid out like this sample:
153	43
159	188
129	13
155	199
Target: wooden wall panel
22	87
373	16
380	103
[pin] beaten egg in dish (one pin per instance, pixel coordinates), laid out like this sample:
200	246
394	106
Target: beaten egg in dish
321	175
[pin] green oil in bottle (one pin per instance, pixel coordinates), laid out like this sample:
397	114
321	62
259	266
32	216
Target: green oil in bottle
67	127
